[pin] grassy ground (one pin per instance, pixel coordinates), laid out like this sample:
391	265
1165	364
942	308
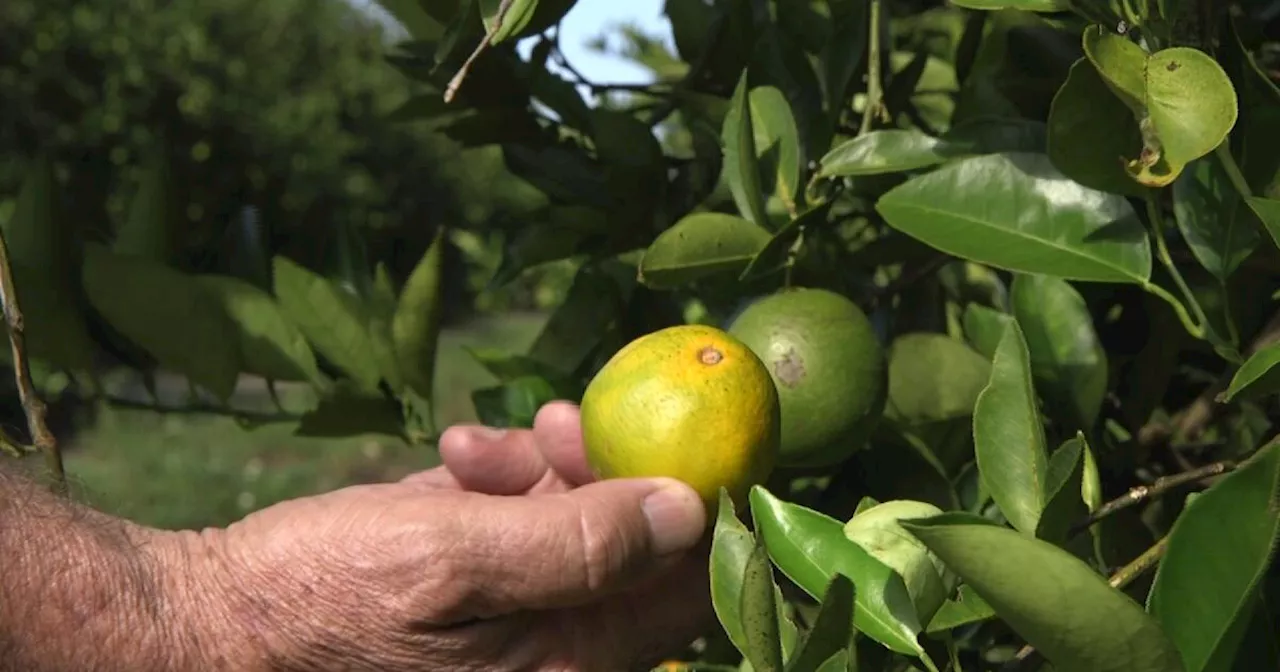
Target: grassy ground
189	471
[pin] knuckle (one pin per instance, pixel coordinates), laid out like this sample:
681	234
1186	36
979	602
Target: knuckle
600	546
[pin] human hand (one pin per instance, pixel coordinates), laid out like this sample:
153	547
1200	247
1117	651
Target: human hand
508	557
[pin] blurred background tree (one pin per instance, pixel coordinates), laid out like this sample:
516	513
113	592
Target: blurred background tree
275	119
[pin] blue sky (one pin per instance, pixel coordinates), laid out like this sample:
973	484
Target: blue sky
589	19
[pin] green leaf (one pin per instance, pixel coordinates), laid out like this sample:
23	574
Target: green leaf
167	313
1121	62
777	145
270	344
415	326
1064	503
810	548
759	612
967	607
833	629
348	412
1090	131
1220	550
1015	211
1067	358
773	256
1218	227
1024	5
515	403
596	298
1268	211
1192	105
500	24
1008	435
933	377
984	327
1050	598
731	545
150	229
698	246
332	319
36	236
893	150
1182	99
741	168
1257	377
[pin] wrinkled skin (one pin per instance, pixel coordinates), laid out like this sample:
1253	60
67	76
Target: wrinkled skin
507	557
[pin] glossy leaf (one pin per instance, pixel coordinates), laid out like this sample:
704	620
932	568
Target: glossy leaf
1090	130
833	629
415	325
1064	503
36	235
731	546
1024	5
965	608
1268	211
594	301
501	22
1218	226
777	144
331	317
1017	212
150	229
1257	377
167	313
884	151
741	169
347	411
270	344
759	611
810	548
1183	100
984	327
514	403
1220	550
1008	436
1068	361
1121	62
1050	598
701	245
773	256
934	377
1192	105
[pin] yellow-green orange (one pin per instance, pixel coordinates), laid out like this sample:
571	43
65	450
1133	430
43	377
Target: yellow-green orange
829	367
689	402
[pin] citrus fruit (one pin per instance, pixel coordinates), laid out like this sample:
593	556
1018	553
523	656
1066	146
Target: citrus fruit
690	402
828	366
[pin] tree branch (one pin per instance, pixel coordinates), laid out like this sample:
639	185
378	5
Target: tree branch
32	405
1162	486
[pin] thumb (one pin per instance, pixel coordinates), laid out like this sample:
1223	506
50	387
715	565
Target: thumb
565	549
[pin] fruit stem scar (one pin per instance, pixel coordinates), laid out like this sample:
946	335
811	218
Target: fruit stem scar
710	356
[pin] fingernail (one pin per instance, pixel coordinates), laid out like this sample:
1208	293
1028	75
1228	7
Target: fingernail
489	433
676	518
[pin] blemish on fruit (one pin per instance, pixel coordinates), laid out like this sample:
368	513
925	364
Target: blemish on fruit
1173	65
789	369
710	355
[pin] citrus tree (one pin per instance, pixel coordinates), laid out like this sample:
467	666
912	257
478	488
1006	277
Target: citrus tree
1010	264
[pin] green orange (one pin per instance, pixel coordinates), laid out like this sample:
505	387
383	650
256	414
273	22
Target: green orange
689	402
829	368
